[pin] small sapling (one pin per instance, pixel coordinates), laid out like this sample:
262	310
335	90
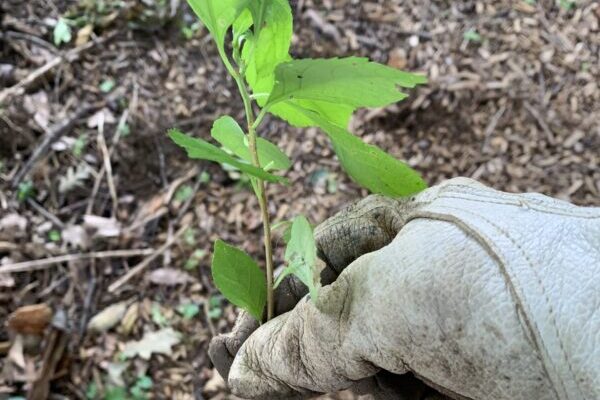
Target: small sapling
319	93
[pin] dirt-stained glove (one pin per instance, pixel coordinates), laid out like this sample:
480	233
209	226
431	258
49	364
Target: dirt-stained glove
480	294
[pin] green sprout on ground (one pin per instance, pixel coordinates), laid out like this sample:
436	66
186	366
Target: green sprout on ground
321	93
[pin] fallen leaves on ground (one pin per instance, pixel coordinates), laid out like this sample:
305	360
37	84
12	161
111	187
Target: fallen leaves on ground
158	342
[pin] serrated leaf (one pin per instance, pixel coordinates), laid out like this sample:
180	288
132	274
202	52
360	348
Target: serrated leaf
301	256
354	81
239	279
230	135
368	165
269	46
218	16
159	342
61	32
338	114
259	9
201	149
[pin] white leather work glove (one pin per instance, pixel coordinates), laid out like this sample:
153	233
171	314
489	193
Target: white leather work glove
479	294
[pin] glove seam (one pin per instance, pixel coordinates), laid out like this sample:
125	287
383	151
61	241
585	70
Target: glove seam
518	200
483	240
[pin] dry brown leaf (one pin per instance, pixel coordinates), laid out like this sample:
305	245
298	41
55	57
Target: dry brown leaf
76	236
32	319
108	317
7	281
397	58
15	354
159	342
129	319
104	115
83	35
13	221
37	104
169	277
103	227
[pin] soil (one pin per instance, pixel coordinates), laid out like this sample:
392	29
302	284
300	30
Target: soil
512	100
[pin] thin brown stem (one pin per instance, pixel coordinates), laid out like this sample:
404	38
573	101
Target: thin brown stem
261	194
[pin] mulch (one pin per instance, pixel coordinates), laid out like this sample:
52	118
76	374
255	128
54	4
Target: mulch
86	169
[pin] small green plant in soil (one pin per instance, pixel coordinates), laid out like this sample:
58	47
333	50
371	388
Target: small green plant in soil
321	93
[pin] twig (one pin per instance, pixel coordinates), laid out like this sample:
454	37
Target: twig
541	122
489	129
107	166
69	56
211	326
52	135
44	263
190	199
102	171
144	264
31	38
138	224
52	218
87	305
178	182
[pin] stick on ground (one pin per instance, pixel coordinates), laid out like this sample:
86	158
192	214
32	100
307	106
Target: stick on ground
144	264
69	56
44	263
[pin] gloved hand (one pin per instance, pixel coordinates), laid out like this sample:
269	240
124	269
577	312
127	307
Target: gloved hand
477	293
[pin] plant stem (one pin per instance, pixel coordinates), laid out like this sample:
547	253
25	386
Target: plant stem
261	193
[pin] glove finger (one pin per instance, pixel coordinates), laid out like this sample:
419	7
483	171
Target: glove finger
363	227
223	348
302	352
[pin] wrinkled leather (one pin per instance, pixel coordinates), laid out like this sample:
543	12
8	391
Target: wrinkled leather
482	295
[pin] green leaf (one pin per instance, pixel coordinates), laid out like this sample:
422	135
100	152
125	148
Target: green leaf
239	279
301	255
567	5
144	382
188	310
214	307
339	114
258	9
54	235
157	316
201	149
472	36
194	260
115	393
107	85
269	46
62	32
90	393
218	16
368	165
228	133
25	191
185	192
79	145
354	81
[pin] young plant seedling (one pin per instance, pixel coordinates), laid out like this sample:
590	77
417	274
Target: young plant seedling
319	93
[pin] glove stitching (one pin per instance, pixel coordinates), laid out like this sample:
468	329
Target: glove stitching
529	324
548	206
539	282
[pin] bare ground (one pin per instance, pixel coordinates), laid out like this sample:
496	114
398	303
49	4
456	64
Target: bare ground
513	100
